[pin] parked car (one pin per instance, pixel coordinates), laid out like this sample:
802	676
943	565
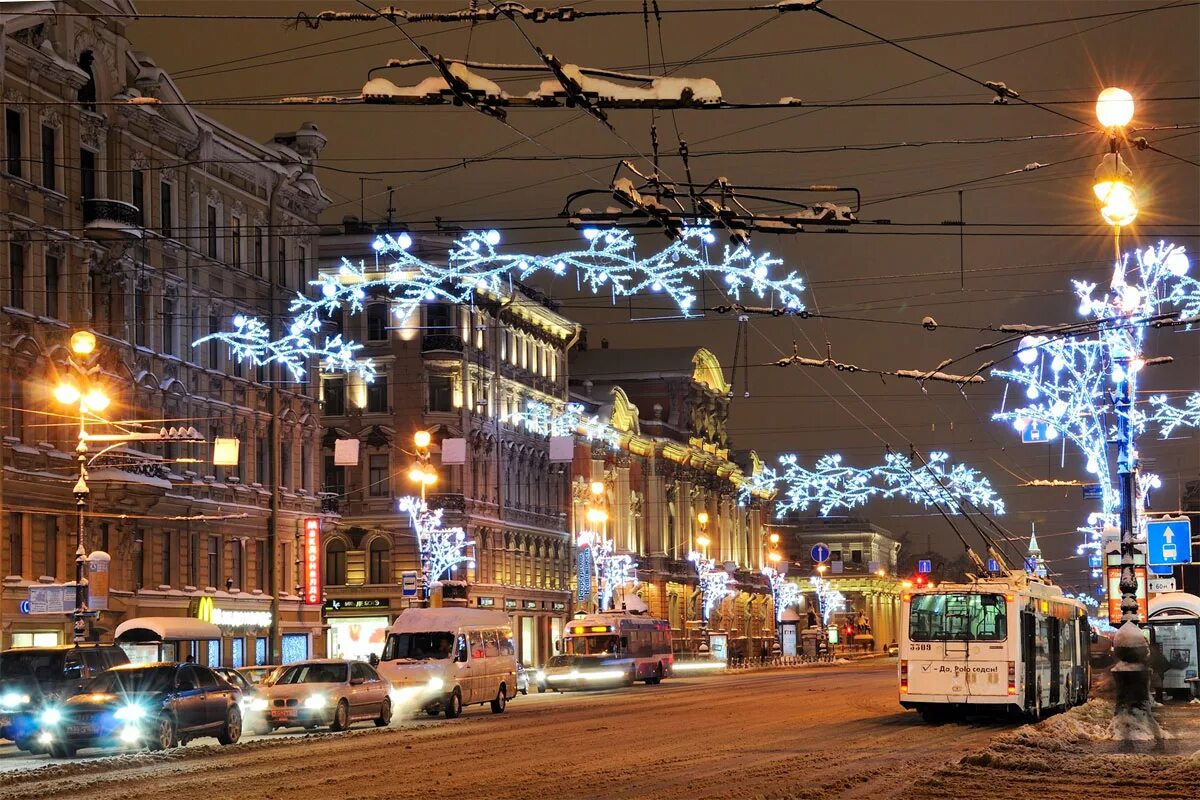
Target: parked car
154	705
892	649
31	677
253	702
330	691
258	675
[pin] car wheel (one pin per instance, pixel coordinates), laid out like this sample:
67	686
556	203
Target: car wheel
453	705
433	711
501	700
385	713
62	751
233	727
163	737
341	717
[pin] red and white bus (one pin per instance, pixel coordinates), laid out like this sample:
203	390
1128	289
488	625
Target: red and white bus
615	647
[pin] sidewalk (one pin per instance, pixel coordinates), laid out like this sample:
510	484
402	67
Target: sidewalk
1073	756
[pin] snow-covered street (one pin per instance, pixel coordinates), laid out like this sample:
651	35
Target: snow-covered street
819	732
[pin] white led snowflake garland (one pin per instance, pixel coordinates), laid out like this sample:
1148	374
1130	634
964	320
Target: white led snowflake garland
474	265
442	549
829	485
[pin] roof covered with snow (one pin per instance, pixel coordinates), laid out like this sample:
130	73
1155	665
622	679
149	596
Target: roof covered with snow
425	620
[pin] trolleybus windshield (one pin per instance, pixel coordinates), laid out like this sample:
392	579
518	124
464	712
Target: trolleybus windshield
958	616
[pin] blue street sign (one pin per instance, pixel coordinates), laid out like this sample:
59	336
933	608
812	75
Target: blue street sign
820	552
408	583
1036	432
1093	491
1169	542
925	565
993	565
25	606
1094	561
1031	565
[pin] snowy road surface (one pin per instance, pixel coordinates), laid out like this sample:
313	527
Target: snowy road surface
820	732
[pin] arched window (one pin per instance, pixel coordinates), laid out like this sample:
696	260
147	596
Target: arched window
335	563
87	92
380	564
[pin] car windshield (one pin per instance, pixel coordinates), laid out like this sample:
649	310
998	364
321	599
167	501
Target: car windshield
437	645
958	616
42	666
592	645
560	661
313	673
133	681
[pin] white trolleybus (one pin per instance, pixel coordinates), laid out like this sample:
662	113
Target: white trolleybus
1004	643
610	648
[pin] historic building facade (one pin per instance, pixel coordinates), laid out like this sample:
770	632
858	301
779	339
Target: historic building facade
127	213
670	486
459	372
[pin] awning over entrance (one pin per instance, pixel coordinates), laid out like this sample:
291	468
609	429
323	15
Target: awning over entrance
166	629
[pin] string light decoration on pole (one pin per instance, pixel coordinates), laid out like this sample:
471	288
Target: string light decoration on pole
613	571
442	549
715	583
609	261
829	600
829	485
784	593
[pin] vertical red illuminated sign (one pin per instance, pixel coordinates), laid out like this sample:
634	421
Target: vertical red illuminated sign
312	561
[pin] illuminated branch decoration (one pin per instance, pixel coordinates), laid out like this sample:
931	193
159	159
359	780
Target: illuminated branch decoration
1070	382
714	583
784	593
442	549
613	571
829	485
542	420
829	600
608	262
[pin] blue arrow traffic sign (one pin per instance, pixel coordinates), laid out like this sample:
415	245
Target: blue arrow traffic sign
1036	432
1169	542
993	565
925	565
820	552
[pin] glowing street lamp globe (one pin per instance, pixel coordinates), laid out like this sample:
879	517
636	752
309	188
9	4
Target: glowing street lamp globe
1114	108
83	343
66	394
96	400
422	439
1113	187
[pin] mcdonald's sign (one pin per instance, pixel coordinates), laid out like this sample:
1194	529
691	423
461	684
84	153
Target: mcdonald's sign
204	609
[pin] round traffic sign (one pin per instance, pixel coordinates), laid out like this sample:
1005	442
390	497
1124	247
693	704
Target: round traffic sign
820	552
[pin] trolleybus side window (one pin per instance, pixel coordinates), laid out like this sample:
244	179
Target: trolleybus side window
960	616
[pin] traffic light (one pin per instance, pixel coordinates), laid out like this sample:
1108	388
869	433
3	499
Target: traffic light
919	580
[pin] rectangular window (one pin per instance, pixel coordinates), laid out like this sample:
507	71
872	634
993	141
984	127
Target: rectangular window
441	393
335	397
166	209
377	396
16	417
12	141
260	564
236	573
262	466
306	467
49	151
50	546
87	173
166	555
235	241
16	540
377	314
281	262
16	274
258	251
302	269
285	467
214	345
437	318
168	325
378	482
52	269
139	195
212	232
141	313
214	561
194	560
335	477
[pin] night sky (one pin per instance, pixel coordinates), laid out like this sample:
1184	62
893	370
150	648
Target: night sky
1026	235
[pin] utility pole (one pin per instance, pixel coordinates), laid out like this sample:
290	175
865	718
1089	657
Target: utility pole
273	576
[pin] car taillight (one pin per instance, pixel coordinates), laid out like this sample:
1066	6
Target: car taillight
903	677
1012	678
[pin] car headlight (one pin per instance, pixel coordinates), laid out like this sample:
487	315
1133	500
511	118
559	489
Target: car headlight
435	684
130	713
256	704
11	700
539	676
316	701
51	716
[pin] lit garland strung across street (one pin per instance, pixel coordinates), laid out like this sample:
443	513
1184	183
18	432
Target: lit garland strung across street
829	600
608	261
1066	379
784	593
442	549
714	583
829	485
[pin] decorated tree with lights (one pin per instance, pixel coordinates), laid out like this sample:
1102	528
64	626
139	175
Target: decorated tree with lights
784	593
442	549
613	571
715	583
829	600
1081	383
